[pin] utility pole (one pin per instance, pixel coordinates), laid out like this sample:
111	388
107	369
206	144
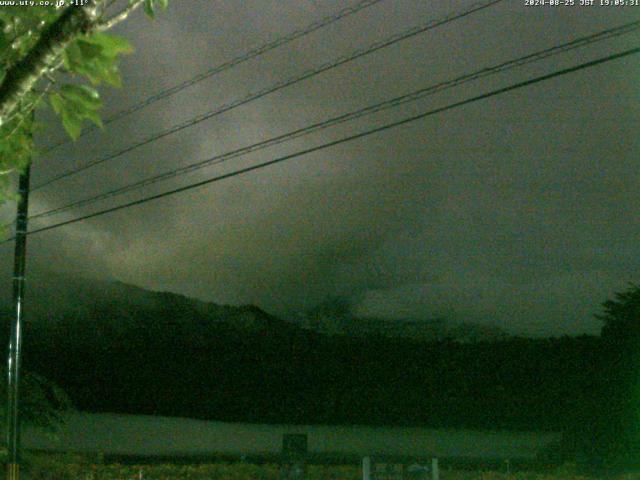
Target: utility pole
15	340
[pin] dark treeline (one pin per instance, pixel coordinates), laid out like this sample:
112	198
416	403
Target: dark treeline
171	361
178	357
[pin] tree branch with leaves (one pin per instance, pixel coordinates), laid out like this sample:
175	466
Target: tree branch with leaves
37	42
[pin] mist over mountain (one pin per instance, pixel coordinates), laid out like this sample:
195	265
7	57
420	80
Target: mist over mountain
62	298
334	316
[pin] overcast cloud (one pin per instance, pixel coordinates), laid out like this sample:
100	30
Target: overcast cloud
521	210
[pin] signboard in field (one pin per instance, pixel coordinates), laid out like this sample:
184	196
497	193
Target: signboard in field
388	471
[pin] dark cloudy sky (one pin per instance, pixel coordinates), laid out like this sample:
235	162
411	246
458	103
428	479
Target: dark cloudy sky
521	210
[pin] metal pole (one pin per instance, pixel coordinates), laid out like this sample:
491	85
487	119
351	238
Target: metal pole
366	468
15	341
435	471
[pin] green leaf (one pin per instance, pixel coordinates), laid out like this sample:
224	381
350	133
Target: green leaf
75	103
72	56
149	8
111	45
89	50
83	94
57	102
94	117
100	62
163	4
72	124
112	77
94	69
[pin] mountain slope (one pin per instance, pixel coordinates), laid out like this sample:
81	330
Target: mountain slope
117	348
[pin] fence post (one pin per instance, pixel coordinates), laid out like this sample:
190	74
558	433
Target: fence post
435	473
366	468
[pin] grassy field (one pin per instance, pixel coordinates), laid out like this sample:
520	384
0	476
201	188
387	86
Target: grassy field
69	468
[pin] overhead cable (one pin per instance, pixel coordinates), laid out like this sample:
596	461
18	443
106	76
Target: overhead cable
276	87
343	140
369	110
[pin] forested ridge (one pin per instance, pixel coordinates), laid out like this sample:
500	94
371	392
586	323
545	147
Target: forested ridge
161	353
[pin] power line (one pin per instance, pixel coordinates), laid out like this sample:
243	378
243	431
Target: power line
279	86
349	138
371	109
256	52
